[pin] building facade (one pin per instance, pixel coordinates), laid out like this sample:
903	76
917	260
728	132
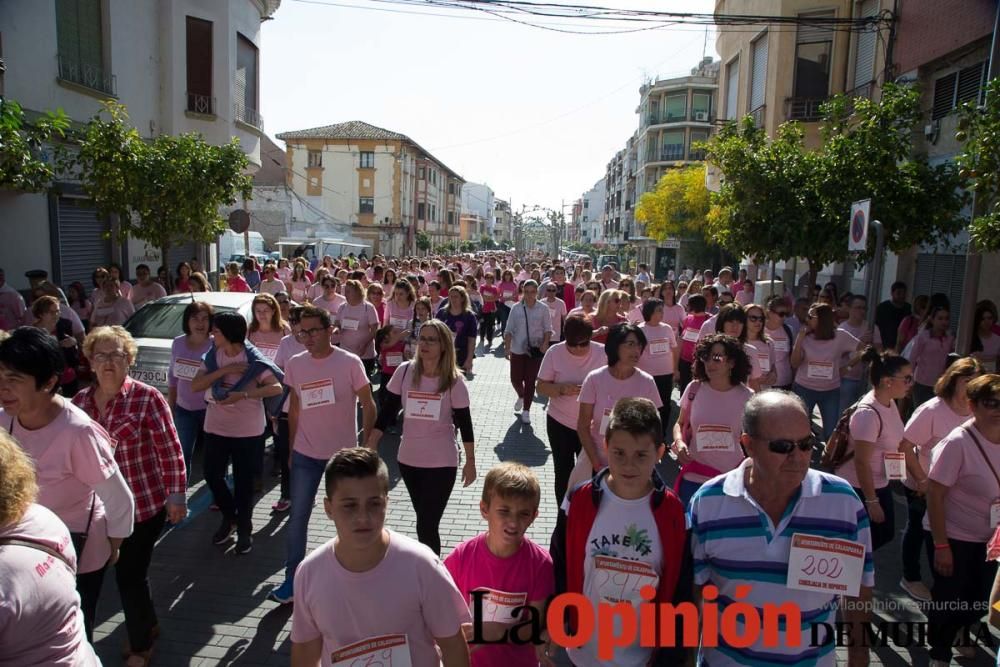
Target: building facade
619	202
177	65
381	183
591	220
503	223
479	200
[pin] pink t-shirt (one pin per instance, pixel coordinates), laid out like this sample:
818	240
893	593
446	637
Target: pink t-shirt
327	390
354	323
267	342
141	294
298	289
864	426
658	357
820	368
557	315
491	294
12	309
428	428
242	419
690	333
602	390
988	355
930	423
184	364
781	345
761	354
521	579
674	316
401	318
287	348
72	455
508	293
635	314
929	356
860	370
40	618
958	464
408	595
331	306
716	423
560	365
109	314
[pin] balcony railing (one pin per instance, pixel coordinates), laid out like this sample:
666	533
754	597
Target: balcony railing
690	117
248	115
758	116
88	75
198	103
804	108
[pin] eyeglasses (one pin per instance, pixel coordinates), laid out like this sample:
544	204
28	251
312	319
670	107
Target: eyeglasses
785	447
755	318
708	356
990	403
114	357
309	333
907	379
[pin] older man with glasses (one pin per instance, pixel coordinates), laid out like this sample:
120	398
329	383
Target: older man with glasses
760	532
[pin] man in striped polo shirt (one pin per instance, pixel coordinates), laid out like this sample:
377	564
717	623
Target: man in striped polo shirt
742	527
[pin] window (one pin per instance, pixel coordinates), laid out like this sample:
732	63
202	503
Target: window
701	106
421	211
586	203
366	205
693	152
451	217
420	173
434	212
813	47
246	105
434	177
957	88
732	88
367	159
758	72
451	188
199	66
80	43
675	108
315	158
673	145
864	53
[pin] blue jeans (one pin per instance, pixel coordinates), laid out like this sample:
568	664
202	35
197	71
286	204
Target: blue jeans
850	392
829	406
189	424
307	473
687	489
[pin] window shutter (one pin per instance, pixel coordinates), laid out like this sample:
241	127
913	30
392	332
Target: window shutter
732	88
199	56
758	74
246	73
944	95
91	44
939	272
864	60
970	83
808	34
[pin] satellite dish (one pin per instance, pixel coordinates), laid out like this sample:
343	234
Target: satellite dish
239	221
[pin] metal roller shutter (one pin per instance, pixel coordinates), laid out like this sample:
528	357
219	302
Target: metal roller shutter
941	273
864	60
83	243
758	72
732	88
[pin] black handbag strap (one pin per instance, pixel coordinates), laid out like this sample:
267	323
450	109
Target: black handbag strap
32	544
982	451
527	324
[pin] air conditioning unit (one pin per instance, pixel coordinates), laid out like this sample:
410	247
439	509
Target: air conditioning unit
701	116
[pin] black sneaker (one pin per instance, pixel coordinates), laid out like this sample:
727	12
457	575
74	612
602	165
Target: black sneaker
244	544
224	532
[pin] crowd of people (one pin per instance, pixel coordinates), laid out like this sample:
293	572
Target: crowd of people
94	464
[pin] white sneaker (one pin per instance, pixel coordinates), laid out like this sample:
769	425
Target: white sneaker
518	404
967	652
940	663
916	590
526	416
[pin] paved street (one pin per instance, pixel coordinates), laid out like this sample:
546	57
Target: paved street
212	604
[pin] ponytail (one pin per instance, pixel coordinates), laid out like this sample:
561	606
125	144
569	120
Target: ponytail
884	364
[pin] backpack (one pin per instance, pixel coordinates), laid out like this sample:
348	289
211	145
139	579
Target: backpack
838	450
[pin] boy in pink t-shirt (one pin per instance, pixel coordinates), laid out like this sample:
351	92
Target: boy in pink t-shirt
372	595
500	571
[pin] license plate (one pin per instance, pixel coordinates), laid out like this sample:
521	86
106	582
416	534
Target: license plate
154	377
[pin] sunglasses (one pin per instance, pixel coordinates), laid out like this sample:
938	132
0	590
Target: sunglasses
785	447
990	403
708	356
755	318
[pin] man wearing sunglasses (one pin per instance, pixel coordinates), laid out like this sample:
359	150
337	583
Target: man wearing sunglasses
744	526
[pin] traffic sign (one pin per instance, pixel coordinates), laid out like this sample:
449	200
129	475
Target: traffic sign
239	221
858	240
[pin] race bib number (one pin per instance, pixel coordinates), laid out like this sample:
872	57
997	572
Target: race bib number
715	438
765	362
605	418
690	335
995	512
298	294
399	322
780	345
394	360
423	405
349	325
820	564
269	351
508	296
659	347
820	370
383	651
621	580
503	607
316	394
186	369
895	465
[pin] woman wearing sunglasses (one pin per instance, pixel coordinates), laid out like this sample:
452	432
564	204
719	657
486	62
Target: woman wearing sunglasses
661	355
608	313
876	432
707	432
963	512
761	348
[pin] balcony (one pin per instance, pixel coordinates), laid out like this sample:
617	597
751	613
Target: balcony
758	116
690	117
87	75
248	115
805	109
671	153
200	104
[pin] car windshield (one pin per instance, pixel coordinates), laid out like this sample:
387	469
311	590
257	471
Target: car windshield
161	320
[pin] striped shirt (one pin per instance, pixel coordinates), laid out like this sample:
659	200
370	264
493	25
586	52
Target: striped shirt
735	543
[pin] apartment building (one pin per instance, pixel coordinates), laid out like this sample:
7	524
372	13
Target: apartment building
503	223
380	182
178	66
591	217
619	201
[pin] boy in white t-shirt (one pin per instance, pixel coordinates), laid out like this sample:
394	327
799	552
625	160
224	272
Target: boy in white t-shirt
371	594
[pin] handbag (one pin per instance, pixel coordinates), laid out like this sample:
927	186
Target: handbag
533	351
80	539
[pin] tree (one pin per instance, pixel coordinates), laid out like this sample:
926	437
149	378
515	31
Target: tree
979	163
164	191
487	243
678	206
468	246
21	142
779	201
423	241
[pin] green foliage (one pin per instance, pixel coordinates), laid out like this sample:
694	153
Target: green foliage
468	246
678	206
487	243
779	201
21	142
979	163
165	191
423	241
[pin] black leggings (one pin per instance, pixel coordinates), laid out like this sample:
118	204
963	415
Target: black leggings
281	449
684	371
429	490
565	444
489	326
665	387
88	585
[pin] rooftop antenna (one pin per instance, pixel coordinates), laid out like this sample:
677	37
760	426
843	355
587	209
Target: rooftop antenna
704	48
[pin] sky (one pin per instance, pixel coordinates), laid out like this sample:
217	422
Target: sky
533	113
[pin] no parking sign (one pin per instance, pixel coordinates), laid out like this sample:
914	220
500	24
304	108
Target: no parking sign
858	240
